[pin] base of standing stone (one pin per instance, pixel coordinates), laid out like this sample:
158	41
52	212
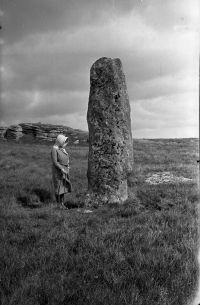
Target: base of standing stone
110	156
96	199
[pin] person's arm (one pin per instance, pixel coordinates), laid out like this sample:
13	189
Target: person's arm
55	159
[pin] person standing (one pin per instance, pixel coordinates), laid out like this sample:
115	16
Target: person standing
60	169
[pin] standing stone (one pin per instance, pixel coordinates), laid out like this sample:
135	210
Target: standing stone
110	157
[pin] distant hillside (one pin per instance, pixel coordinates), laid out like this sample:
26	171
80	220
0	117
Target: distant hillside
38	132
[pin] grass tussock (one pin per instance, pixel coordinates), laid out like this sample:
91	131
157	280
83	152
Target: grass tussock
143	252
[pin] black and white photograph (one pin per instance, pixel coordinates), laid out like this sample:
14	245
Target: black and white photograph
99	152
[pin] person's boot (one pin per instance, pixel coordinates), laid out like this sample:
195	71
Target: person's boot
57	198
62	201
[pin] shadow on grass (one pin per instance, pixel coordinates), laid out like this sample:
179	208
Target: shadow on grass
70	204
44	195
74	200
36	198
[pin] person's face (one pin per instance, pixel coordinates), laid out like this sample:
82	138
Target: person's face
65	144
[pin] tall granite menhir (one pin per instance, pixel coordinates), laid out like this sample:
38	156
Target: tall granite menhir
110	158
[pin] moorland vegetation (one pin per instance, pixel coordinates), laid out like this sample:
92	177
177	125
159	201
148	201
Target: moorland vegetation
142	252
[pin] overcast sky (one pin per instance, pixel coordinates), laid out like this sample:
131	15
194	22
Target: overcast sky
48	47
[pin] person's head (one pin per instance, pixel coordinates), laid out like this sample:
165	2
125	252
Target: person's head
66	142
61	140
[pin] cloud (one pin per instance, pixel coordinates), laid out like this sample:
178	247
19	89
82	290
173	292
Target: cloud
176	115
29	104
48	54
56	59
24	18
165	85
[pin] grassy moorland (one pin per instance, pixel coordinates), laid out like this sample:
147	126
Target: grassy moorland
143	252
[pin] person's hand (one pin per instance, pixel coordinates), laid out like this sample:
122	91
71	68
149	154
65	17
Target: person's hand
64	171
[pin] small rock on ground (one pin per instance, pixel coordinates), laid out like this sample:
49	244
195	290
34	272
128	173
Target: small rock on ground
166	177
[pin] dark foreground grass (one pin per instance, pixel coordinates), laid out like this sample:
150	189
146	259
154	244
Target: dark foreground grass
143	252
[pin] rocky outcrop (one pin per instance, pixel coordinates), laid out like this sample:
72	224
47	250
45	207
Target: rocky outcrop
13	132
2	132
110	157
38	132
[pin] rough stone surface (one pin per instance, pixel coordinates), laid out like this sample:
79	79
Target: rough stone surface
2	132
14	132
110	157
